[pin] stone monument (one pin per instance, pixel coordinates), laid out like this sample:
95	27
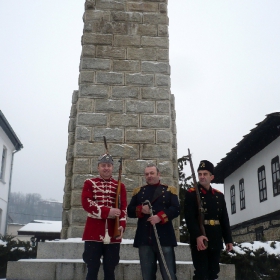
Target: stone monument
124	95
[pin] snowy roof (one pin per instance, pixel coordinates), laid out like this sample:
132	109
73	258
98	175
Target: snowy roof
259	137
41	226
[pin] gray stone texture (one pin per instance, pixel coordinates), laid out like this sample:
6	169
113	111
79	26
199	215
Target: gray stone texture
124	95
127	40
163	107
125	92
139	79
142	53
139	106
140	136
156	93
126	65
83	133
155	121
125	120
111	134
126	16
91	119
86	77
76	198
155	67
110	52
156	151
94	91
88	51
109	105
109	78
95	64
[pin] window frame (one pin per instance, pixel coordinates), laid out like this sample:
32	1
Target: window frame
262	184
259	233
3	164
242	194
275	173
232	199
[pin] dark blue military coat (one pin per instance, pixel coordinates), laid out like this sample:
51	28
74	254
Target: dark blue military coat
165	205
215	209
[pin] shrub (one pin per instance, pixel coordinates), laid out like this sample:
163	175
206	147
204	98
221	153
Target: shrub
253	264
12	249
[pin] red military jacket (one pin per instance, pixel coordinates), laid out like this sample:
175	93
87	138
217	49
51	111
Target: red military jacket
98	197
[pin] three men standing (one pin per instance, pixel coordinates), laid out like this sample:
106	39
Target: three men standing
155	205
216	223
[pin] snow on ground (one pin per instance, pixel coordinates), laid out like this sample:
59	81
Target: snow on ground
270	247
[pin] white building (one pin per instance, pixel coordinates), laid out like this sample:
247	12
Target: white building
251	177
9	145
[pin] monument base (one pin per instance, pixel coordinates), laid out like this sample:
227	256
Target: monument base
61	260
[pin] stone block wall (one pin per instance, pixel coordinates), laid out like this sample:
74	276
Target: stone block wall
266	228
124	94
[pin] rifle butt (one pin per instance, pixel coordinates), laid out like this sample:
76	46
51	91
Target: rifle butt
205	242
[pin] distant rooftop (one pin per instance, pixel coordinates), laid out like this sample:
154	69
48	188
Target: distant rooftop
41	226
42	230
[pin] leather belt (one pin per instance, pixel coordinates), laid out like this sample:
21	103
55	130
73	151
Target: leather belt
211	222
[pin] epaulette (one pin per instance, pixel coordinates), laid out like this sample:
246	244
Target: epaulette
172	189
136	191
215	190
191	189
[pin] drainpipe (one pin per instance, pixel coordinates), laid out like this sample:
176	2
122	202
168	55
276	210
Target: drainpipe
10	184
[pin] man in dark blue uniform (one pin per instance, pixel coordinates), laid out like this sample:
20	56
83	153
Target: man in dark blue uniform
216	224
165	207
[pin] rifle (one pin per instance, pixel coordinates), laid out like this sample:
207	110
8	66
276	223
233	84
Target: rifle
105	144
199	202
117	203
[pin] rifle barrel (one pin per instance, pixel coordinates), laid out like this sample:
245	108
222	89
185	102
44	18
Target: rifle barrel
198	199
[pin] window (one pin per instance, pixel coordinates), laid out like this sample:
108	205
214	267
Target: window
262	183
259	233
242	194
232	199
3	163
275	175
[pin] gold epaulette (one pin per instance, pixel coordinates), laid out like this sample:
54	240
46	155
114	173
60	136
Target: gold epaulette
171	189
191	189
216	190
136	191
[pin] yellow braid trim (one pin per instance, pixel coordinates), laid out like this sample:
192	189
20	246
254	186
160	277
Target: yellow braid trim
171	189
136	191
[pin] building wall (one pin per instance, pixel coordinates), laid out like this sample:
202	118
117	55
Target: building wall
254	209
4	184
12	229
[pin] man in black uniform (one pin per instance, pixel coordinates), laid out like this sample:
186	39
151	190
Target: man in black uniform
165	206
216	223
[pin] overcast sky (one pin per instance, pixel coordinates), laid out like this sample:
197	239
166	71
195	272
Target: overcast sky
224	58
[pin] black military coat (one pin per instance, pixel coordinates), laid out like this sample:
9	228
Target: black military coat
165	205
215	209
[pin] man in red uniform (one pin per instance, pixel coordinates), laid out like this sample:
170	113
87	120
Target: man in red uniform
98	199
